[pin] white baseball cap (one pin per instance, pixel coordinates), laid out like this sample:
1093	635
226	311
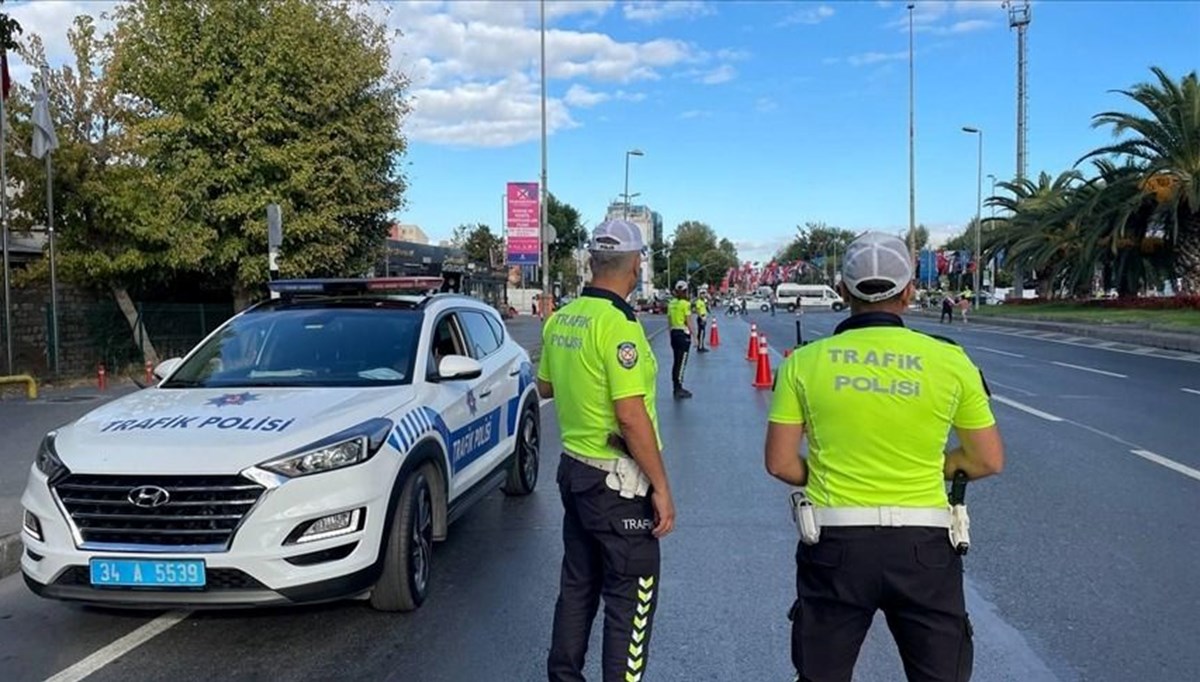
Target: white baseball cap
877	257
681	286
620	236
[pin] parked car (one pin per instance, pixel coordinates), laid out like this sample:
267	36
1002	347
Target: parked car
312	447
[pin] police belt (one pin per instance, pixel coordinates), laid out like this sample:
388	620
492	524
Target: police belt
607	465
891	517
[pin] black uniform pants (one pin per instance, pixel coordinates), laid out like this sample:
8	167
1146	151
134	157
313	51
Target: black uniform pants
681	345
701	323
609	551
947	313
912	574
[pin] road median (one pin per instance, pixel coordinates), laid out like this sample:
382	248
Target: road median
1141	335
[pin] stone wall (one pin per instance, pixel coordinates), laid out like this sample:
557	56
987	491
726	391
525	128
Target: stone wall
31	330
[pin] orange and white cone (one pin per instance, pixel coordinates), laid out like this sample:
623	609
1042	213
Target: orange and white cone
763	377
714	339
752	352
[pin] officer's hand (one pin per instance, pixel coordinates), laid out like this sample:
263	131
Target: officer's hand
664	513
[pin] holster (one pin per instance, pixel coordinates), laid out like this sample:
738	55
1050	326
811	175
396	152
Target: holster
628	479
960	528
805	518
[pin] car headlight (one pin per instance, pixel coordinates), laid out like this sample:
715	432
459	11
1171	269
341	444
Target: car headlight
47	460
347	448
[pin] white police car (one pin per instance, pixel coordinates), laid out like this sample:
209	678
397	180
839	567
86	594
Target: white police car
314	447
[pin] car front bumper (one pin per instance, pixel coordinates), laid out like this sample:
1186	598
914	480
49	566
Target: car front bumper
255	569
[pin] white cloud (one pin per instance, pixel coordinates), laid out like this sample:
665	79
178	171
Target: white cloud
969	25
695	113
722	74
497	114
653	12
868	58
727	55
943	17
51	21
579	96
765	104
808	15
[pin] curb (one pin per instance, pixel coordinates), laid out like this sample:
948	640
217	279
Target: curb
10	554
1177	341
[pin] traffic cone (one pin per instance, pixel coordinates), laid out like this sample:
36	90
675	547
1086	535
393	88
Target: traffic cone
752	352
763	377
714	339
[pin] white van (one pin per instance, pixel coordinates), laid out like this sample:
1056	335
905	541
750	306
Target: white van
792	296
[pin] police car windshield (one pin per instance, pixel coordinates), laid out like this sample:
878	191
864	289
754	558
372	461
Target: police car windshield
310	346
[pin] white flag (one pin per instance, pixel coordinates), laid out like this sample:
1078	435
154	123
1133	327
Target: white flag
44	139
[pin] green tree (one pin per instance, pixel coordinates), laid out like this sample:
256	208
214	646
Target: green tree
698	257
820	245
105	198
239	103
9	30
479	243
921	238
1165	147
570	235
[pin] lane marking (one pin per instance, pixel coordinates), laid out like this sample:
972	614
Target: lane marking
1143	351
1089	369
1168	463
1025	408
1000	352
1190	390
120	647
1028	394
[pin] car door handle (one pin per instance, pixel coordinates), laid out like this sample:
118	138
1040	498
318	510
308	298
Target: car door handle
515	372
485	393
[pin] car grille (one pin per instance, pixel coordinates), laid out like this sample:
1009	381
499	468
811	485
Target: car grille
202	511
215	579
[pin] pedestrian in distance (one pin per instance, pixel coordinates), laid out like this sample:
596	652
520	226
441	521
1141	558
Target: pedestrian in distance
774	301
947	309
679	319
597	364
964	305
876	530
700	306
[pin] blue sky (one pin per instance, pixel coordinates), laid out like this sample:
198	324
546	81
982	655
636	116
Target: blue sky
754	116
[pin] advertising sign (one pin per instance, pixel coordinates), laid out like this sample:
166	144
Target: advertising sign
523	218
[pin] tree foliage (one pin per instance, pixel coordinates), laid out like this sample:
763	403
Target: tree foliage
479	243
697	256
570	235
815	241
235	104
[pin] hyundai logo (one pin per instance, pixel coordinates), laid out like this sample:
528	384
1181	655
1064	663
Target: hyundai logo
149	496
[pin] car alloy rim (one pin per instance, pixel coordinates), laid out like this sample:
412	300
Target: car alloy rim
422	539
529	454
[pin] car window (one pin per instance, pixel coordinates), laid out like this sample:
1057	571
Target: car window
447	340
310	346
482	337
497	327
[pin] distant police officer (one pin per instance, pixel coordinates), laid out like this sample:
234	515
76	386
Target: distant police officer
877	400
679	319
701	308
597	364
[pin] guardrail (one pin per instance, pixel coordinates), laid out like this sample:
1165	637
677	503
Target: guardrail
30	383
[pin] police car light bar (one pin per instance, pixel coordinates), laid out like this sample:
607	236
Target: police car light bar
349	286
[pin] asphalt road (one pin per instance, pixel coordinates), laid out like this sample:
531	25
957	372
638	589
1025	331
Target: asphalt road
1081	566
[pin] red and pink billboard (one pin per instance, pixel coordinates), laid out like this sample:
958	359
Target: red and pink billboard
523	218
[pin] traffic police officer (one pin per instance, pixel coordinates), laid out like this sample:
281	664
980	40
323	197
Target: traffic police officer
701	308
679	318
597	364
876	401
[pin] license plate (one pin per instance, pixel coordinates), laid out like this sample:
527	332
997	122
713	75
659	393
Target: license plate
147	572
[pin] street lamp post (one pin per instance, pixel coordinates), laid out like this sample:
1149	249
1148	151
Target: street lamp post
912	133
631	152
978	208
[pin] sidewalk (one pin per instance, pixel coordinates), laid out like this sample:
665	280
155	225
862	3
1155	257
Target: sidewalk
1123	333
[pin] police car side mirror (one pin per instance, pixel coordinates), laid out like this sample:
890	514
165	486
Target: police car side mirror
166	367
459	368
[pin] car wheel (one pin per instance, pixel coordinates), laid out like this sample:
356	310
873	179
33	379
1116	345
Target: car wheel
765	308
791	307
523	473
407	566
837	307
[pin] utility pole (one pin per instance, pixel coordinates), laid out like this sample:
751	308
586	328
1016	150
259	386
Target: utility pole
1018	18
912	132
543	221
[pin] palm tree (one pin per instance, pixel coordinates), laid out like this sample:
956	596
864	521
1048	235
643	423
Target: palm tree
1037	231
1164	149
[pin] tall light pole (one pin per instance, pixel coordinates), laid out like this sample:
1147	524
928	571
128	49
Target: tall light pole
978	210
1019	17
544	221
631	152
992	261
912	132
